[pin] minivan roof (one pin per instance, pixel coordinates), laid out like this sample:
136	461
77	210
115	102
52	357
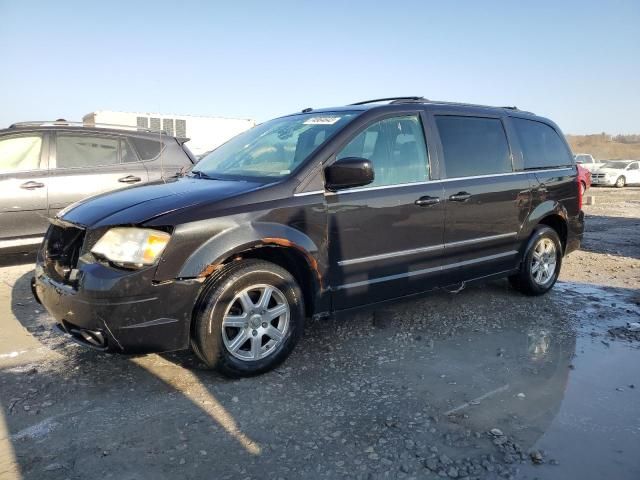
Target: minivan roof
384	103
56	125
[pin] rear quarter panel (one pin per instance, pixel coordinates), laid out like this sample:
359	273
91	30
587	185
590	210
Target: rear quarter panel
554	191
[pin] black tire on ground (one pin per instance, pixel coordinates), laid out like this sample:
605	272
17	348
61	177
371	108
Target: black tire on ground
216	300
621	181
524	281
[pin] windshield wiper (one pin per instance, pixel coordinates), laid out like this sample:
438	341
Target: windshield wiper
182	172
201	174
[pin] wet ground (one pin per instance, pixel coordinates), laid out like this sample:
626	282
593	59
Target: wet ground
485	383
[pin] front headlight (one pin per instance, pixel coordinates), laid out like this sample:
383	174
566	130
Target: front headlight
131	247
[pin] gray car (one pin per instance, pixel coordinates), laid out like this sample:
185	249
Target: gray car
45	166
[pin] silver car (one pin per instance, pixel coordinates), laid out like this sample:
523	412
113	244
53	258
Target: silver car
45	166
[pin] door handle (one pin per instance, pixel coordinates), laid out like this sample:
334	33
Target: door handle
31	185
427	201
129	179
460	197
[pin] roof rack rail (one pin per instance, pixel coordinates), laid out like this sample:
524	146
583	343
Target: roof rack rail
65	123
396	100
516	109
393	100
461	104
464	104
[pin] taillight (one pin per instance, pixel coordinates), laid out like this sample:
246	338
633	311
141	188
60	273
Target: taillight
579	185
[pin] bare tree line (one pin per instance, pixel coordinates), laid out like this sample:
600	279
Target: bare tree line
605	137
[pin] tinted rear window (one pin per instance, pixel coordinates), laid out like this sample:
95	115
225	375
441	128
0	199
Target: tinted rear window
147	149
541	145
473	146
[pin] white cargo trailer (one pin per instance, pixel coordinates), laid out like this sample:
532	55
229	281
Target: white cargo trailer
205	133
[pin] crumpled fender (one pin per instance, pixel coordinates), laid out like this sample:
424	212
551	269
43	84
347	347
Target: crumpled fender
206	258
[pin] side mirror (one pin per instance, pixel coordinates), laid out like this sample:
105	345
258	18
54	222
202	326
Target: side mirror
348	172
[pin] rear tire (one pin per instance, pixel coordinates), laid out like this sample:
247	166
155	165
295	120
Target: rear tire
541	263
620	182
248	319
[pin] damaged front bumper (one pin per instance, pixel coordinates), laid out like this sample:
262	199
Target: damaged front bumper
119	310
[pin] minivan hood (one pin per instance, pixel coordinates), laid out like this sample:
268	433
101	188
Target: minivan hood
143	202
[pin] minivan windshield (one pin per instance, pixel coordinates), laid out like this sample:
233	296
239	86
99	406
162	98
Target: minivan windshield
272	149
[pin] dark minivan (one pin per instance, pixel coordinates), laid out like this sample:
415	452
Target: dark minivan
312	214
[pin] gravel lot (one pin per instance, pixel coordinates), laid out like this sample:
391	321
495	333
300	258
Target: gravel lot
485	383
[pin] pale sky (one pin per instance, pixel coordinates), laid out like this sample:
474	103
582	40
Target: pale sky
575	62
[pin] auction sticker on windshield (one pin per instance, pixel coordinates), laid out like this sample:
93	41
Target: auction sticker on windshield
322	121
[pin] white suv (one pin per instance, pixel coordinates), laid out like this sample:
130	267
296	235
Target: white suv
587	161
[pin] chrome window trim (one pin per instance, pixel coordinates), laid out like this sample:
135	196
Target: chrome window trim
304	194
424	182
400	253
506	174
382	187
425	271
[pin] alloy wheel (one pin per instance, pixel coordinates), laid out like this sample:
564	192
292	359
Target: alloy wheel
543	261
255	322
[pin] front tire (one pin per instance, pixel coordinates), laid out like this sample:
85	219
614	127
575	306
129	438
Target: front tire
541	263
620	182
248	319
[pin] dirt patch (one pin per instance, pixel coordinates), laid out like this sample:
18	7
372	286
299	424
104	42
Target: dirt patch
486	383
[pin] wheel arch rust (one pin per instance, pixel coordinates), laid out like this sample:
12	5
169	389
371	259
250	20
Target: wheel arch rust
284	246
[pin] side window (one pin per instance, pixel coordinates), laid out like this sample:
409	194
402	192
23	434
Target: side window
84	151
473	146
396	148
147	149
306	143
126	152
20	153
634	166
541	145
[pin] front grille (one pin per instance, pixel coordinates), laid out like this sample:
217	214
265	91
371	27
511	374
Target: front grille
62	248
598	175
